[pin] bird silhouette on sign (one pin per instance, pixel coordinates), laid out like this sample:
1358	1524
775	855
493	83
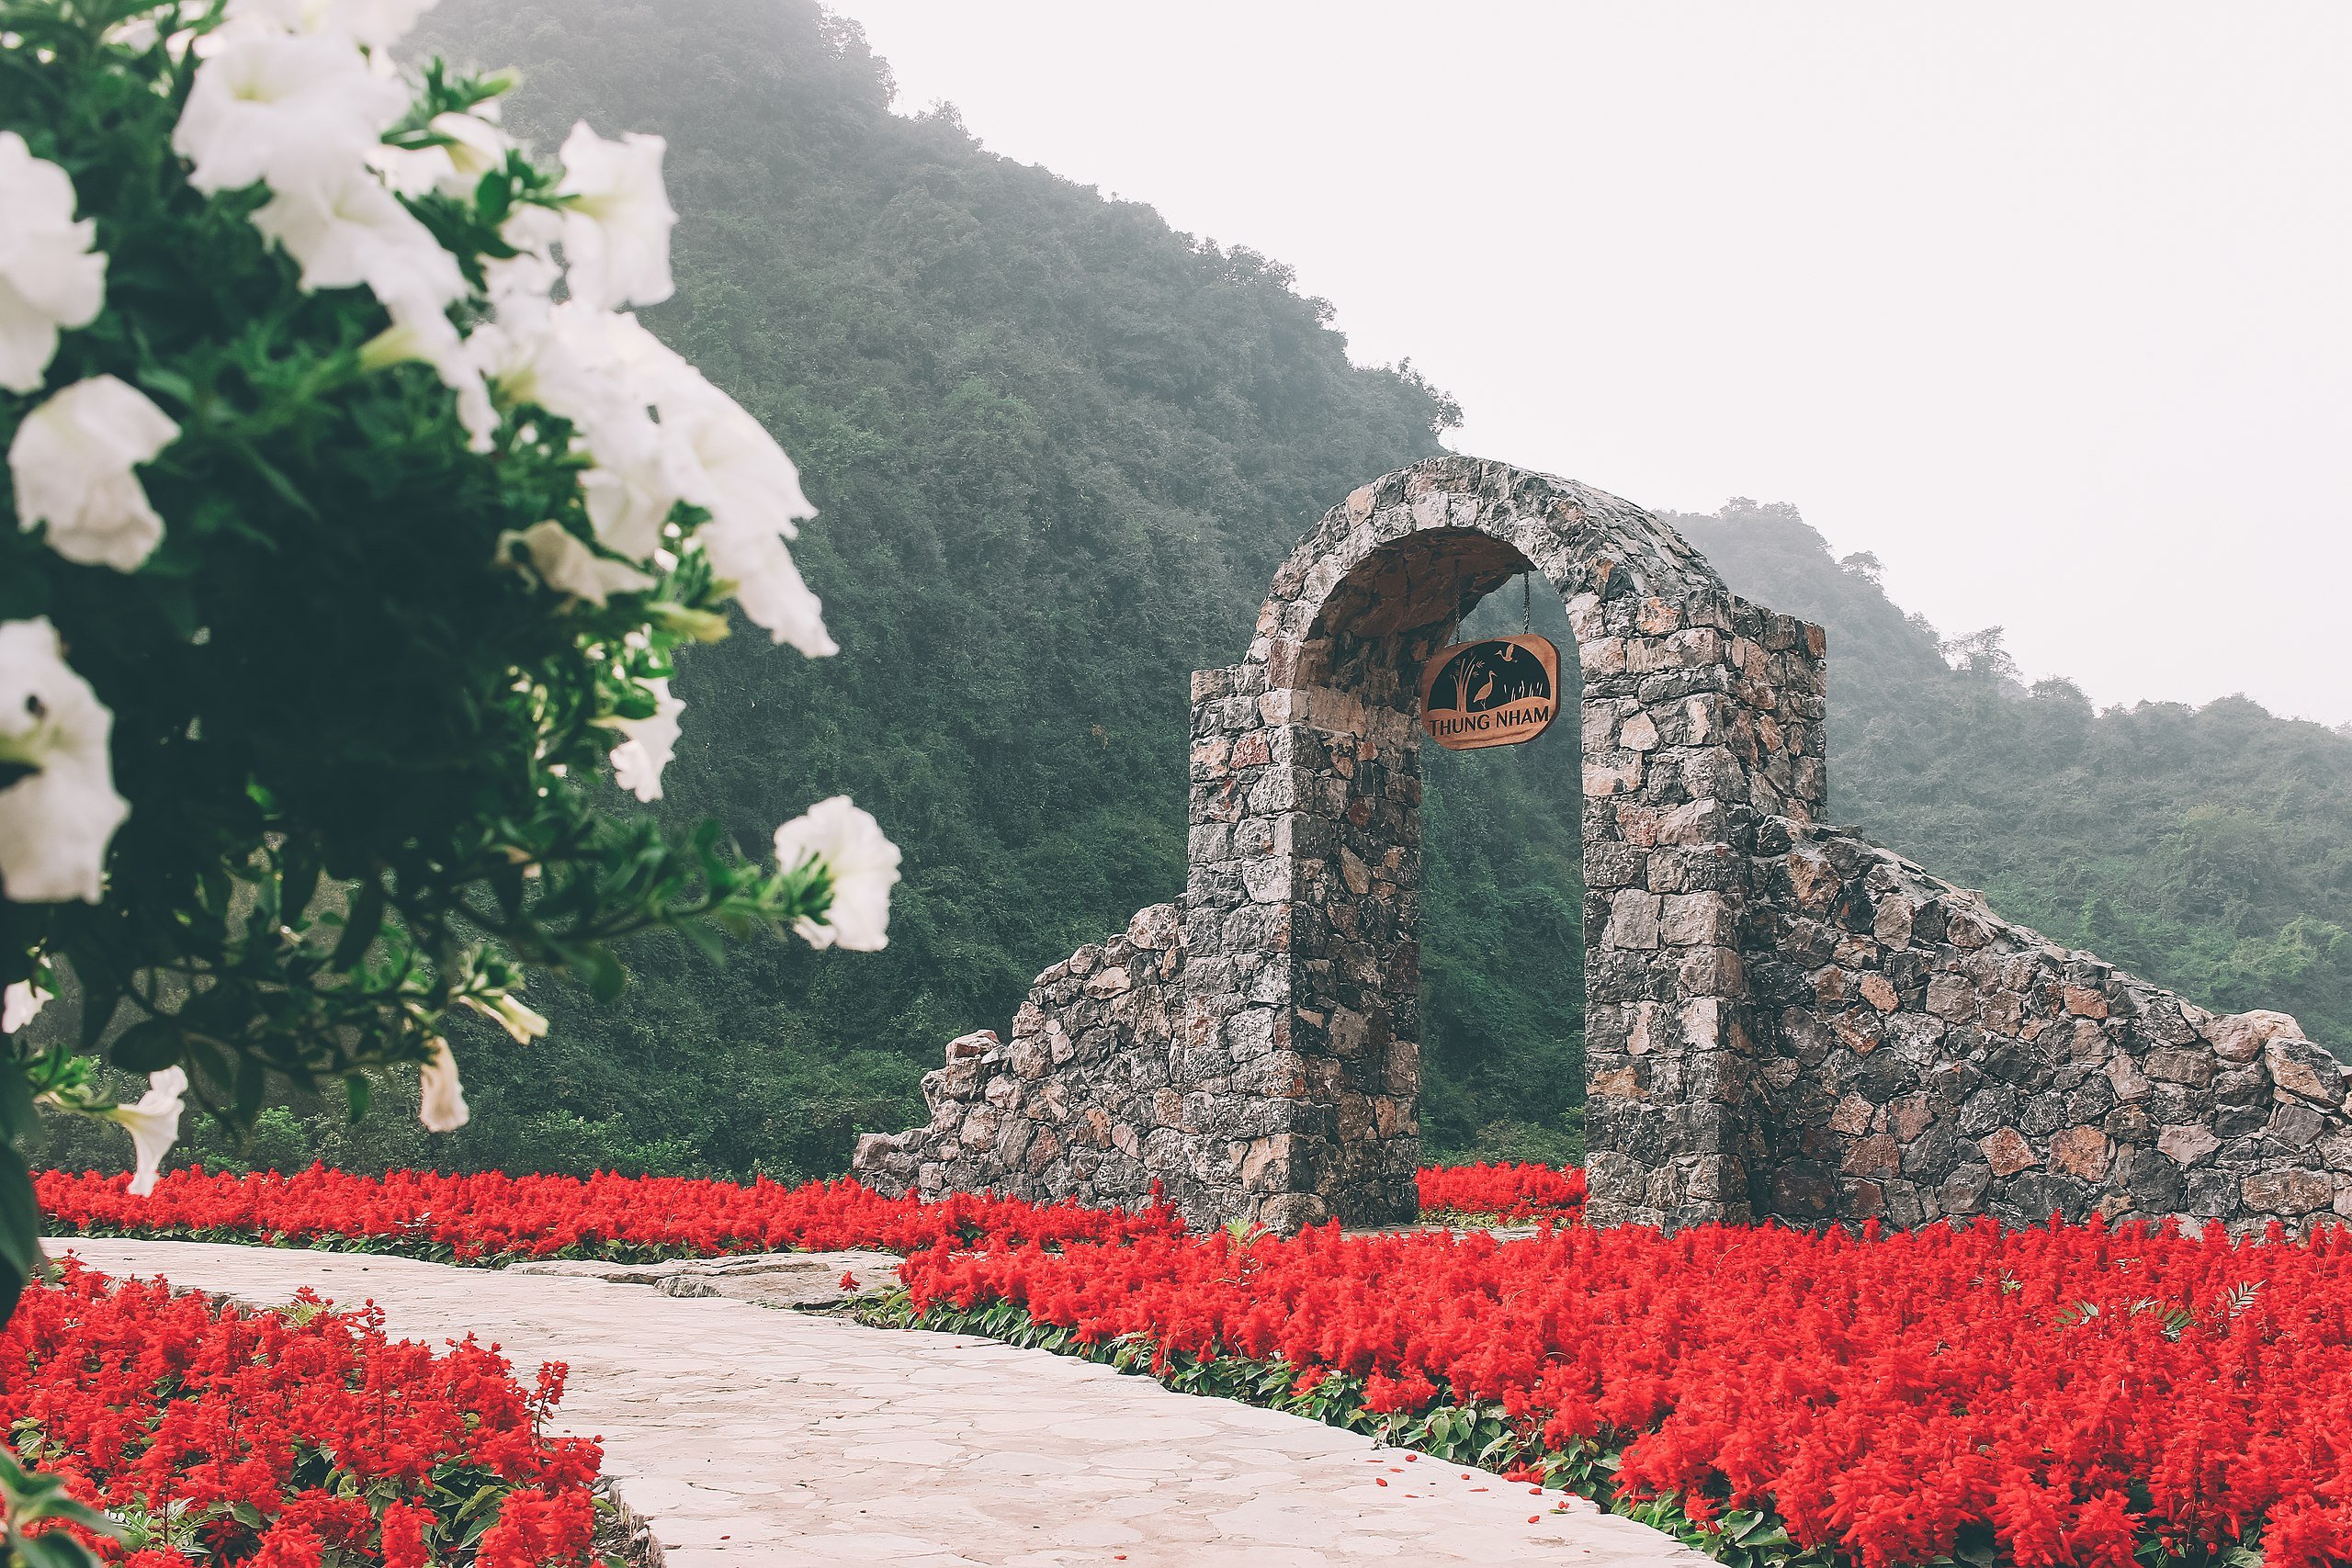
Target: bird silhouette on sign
1487	675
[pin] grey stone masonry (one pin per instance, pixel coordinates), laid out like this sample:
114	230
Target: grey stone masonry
1780	1019
1080	1104
1925	1058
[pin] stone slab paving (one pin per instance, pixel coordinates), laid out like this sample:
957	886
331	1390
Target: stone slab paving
752	1435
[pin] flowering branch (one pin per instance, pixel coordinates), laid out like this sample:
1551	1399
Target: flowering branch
357	526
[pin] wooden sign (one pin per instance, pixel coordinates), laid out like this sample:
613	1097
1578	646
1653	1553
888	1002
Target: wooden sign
1499	691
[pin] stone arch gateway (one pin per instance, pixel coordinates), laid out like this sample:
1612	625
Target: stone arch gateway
1781	1020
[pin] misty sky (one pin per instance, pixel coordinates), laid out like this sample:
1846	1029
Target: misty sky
2046	305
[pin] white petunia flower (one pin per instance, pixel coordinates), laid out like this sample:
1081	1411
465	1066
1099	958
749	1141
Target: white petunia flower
603	373
864	866
72	461
423	332
656	370
409	171
370	24
734	469
50	277
567	565
475	148
154	1125
649	745
55	822
508	1011
630	494
560	358
442	1105
768	585
706	449
519	285
269	104
338	220
19	1005
616	219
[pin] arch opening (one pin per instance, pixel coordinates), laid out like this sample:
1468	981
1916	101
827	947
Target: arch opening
1501	922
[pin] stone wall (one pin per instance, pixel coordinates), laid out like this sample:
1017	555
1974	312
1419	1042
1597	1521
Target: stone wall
1923	1057
1080	1104
1782	1021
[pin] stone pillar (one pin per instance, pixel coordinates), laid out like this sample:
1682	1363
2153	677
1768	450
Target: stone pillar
1696	711
1303	979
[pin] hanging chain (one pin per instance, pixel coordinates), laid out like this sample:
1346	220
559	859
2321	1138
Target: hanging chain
1526	602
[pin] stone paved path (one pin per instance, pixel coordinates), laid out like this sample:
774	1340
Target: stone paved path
751	1435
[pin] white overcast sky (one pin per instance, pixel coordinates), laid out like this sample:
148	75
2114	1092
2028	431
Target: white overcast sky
2045	304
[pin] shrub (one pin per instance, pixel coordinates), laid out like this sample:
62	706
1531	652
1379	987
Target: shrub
340	558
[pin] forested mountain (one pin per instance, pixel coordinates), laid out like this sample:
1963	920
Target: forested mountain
1059	450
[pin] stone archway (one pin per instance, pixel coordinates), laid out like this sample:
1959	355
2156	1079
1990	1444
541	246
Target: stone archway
1254	1052
1782	1021
1700	712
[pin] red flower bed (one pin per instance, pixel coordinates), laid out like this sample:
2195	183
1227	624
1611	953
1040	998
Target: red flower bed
279	1438
2061	1396
1509	1194
492	1218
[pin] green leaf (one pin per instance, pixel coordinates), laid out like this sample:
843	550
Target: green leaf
272	476
19	1228
102	994
253	1082
297	879
606	977
361	926
148	1046
169	383
16	1114
54	1550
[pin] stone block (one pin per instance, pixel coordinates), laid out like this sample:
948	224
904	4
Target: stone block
2302	1068
2240	1038
2288	1191
1964	1191
2124	1077
968	1047
2086	1001
2006	1150
2178	1066
1634	919
1691	920
1156	928
1876	1155
2082	1152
